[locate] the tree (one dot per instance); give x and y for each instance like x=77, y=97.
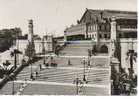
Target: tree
x=131, y=56
x=14, y=53
x=89, y=53
x=30, y=50
x=6, y=64
x=94, y=49
x=7, y=37
x=1, y=72
x=5, y=70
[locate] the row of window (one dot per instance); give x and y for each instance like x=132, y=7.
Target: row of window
x=128, y=35
x=92, y=28
x=102, y=27
x=104, y=36
x=93, y=36
x=100, y=36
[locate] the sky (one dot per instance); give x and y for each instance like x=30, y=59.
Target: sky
x=53, y=16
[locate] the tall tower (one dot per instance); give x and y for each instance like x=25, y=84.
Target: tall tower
x=31, y=45
x=30, y=27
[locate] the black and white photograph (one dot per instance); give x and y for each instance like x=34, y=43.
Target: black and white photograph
x=68, y=47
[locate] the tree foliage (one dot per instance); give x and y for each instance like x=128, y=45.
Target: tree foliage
x=7, y=37
x=30, y=50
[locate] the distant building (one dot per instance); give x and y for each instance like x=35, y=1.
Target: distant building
x=45, y=44
x=21, y=43
x=96, y=24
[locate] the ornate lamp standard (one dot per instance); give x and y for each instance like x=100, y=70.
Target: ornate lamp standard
x=13, y=92
x=78, y=82
x=84, y=63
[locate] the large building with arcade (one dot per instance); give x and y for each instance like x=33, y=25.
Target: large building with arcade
x=103, y=26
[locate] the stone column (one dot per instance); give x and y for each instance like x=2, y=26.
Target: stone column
x=114, y=60
x=113, y=36
x=113, y=28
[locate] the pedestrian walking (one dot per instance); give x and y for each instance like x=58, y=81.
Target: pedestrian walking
x=40, y=67
x=36, y=74
x=32, y=77
x=69, y=63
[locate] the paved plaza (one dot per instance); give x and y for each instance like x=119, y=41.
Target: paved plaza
x=61, y=80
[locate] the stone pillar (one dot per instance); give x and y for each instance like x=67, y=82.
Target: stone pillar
x=115, y=64
x=113, y=36
x=113, y=28
x=114, y=61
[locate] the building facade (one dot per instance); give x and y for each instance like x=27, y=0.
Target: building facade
x=105, y=27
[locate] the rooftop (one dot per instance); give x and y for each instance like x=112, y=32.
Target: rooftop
x=105, y=13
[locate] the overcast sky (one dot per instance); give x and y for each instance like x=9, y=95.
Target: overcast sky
x=53, y=15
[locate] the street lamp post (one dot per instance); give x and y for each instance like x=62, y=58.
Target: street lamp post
x=15, y=61
x=15, y=67
x=31, y=76
x=89, y=56
x=84, y=76
x=78, y=83
x=43, y=51
x=30, y=62
x=13, y=88
x=44, y=58
x=13, y=84
x=77, y=87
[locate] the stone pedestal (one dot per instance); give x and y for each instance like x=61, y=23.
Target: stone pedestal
x=115, y=64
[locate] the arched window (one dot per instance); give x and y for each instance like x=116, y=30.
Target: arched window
x=100, y=27
x=100, y=36
x=103, y=27
x=108, y=27
x=104, y=49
